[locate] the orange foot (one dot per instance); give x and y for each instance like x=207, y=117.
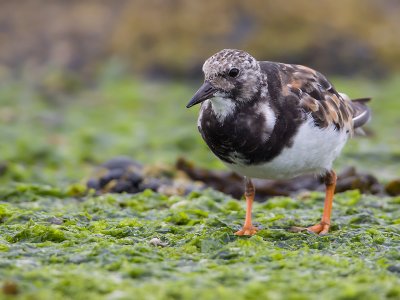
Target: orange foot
x=320, y=228
x=247, y=230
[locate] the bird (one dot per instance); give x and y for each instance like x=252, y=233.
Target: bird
x=274, y=120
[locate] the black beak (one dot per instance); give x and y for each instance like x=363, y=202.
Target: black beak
x=206, y=91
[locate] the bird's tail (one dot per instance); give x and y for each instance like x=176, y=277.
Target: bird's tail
x=361, y=112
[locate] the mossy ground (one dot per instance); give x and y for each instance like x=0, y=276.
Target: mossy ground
x=57, y=246
x=56, y=242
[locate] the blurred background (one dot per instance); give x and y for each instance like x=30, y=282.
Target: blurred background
x=84, y=81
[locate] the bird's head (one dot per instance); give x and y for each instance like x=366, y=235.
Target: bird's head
x=230, y=73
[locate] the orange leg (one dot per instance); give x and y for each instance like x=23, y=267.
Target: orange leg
x=323, y=227
x=248, y=228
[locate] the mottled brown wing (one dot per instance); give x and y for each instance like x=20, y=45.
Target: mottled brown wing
x=318, y=97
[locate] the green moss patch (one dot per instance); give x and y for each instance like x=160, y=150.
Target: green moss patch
x=98, y=247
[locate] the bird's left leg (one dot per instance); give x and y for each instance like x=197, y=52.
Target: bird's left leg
x=323, y=226
x=248, y=228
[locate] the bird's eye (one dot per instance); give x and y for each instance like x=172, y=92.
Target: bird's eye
x=233, y=72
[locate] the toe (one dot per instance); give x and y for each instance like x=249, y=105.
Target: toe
x=247, y=231
x=325, y=230
x=320, y=229
x=317, y=228
x=297, y=229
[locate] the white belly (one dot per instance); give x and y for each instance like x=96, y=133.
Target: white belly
x=313, y=151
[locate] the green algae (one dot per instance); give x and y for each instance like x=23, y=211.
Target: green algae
x=98, y=247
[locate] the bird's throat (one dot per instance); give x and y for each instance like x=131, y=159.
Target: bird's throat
x=222, y=107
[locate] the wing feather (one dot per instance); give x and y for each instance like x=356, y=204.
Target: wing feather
x=318, y=97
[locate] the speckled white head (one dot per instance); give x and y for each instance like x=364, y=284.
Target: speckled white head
x=234, y=73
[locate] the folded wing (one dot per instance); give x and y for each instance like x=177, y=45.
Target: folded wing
x=318, y=97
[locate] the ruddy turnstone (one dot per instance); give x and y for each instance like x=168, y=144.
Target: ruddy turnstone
x=273, y=120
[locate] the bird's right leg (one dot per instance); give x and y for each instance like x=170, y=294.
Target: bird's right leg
x=248, y=228
x=322, y=227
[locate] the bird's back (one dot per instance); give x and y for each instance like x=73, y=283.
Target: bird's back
x=316, y=96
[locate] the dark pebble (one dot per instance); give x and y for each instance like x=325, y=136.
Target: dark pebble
x=111, y=175
x=10, y=288
x=134, y=179
x=124, y=187
x=93, y=184
x=393, y=187
x=394, y=269
x=151, y=184
x=364, y=182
